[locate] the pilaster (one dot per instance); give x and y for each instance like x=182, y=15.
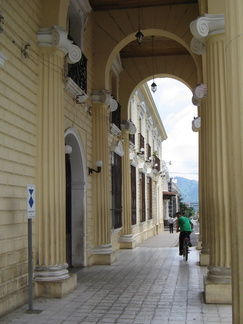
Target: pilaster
x=102, y=252
x=210, y=30
x=234, y=64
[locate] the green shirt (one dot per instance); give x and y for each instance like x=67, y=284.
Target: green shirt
x=184, y=224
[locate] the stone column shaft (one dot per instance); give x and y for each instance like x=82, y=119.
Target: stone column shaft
x=219, y=239
x=234, y=54
x=126, y=238
x=204, y=191
x=100, y=182
x=51, y=256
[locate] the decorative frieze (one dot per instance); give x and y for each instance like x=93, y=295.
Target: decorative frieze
x=57, y=37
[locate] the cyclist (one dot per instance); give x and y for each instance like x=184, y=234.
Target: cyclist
x=185, y=226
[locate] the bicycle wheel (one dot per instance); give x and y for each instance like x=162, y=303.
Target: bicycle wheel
x=185, y=249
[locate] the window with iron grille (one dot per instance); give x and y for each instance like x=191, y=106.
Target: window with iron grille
x=141, y=141
x=78, y=73
x=143, y=205
x=116, y=191
x=157, y=161
x=116, y=116
x=148, y=151
x=134, y=195
x=132, y=138
x=150, y=201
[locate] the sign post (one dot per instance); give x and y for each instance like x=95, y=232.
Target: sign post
x=30, y=216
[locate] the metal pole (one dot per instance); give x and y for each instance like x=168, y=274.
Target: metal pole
x=30, y=264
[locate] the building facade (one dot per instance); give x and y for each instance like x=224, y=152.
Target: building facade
x=61, y=81
x=95, y=165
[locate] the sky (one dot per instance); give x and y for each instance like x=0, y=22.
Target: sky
x=174, y=103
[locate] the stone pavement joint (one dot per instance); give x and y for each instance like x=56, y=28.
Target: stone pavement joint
x=147, y=285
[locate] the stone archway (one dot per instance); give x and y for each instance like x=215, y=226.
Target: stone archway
x=77, y=216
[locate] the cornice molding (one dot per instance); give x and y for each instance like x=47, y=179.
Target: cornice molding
x=57, y=37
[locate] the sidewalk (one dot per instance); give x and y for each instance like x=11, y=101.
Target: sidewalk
x=150, y=284
x=163, y=240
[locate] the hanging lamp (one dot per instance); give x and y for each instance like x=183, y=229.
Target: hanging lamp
x=139, y=35
x=153, y=85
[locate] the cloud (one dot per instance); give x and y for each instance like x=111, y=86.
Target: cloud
x=173, y=101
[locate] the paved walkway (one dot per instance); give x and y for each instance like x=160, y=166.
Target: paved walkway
x=150, y=284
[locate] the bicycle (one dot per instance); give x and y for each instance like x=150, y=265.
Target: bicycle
x=185, y=248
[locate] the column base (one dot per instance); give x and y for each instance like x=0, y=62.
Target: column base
x=217, y=293
x=204, y=259
x=57, y=288
x=127, y=242
x=199, y=245
x=103, y=255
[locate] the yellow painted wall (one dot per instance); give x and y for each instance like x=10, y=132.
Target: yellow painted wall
x=18, y=118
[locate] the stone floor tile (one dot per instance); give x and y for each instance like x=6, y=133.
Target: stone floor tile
x=146, y=285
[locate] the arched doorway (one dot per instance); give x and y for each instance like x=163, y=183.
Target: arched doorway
x=75, y=200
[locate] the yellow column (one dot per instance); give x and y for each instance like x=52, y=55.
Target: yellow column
x=234, y=64
x=102, y=251
x=51, y=273
x=218, y=281
x=219, y=275
x=204, y=190
x=126, y=238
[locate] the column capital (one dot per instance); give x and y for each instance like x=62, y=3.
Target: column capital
x=103, y=96
x=57, y=37
x=205, y=26
x=199, y=92
x=197, y=46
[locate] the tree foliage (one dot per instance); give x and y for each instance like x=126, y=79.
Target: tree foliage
x=185, y=210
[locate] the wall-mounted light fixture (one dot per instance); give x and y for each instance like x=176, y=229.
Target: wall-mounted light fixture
x=153, y=85
x=141, y=152
x=139, y=35
x=162, y=174
x=68, y=149
x=149, y=159
x=99, y=165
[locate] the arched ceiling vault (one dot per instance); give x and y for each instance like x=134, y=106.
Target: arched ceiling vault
x=116, y=23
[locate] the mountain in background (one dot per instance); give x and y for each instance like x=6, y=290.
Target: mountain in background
x=188, y=189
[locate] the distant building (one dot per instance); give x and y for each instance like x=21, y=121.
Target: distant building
x=171, y=194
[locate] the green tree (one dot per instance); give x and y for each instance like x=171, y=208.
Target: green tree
x=185, y=210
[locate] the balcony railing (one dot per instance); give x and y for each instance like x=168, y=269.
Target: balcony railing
x=78, y=73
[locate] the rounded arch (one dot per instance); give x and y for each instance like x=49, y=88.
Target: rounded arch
x=78, y=179
x=149, y=32
x=165, y=75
